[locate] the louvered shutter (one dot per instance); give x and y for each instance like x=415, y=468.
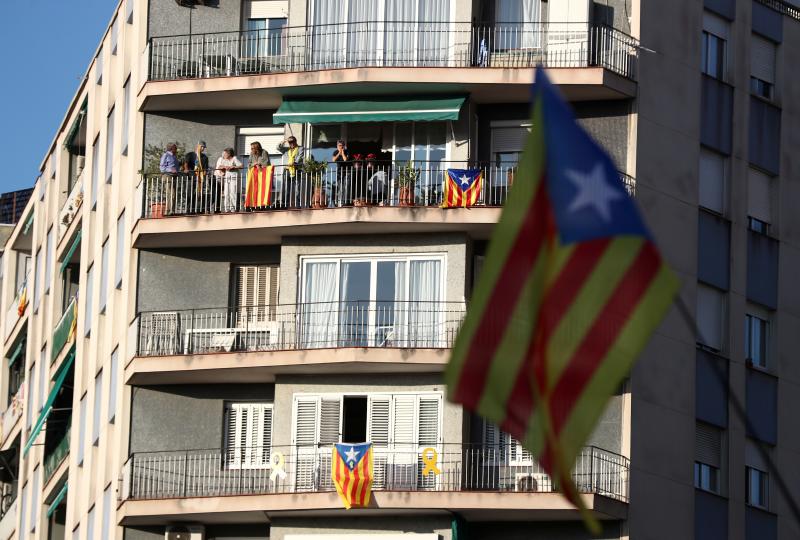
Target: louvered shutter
x=248, y=435
x=509, y=139
x=762, y=59
x=378, y=432
x=256, y=294
x=305, y=440
x=403, y=414
x=708, y=445
x=429, y=421
x=329, y=424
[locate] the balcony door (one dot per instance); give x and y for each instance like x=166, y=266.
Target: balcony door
x=372, y=302
x=516, y=24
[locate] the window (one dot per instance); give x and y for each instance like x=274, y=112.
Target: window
x=98, y=404
x=114, y=35
x=502, y=447
x=757, y=487
x=708, y=457
x=76, y=532
x=82, y=430
x=120, y=251
x=90, y=523
x=108, y=525
x=42, y=377
x=762, y=67
x=714, y=45
x=48, y=264
x=52, y=164
x=756, y=340
x=129, y=11
x=35, y=490
x=265, y=36
x=16, y=371
x=98, y=68
x=126, y=114
x=29, y=405
x=248, y=435
x=37, y=280
x=713, y=181
x=256, y=294
x=516, y=24
x=759, y=200
x=104, y=276
x=95, y=171
x=710, y=317
x=42, y=185
x=373, y=301
x=89, y=301
x=109, y=145
x=112, y=385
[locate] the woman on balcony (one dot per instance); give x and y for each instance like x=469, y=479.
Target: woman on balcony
x=227, y=174
x=294, y=196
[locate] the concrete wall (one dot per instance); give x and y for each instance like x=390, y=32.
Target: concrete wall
x=542, y=530
x=454, y=246
x=174, y=279
x=230, y=531
x=440, y=525
x=167, y=18
x=185, y=417
x=289, y=385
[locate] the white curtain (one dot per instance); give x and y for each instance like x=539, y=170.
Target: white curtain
x=433, y=31
x=328, y=34
x=424, y=308
x=400, y=39
x=531, y=17
x=319, y=309
x=362, y=32
x=400, y=304
x=517, y=23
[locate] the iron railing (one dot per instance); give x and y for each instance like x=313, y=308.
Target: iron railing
x=390, y=324
x=397, y=467
x=391, y=44
x=782, y=7
x=56, y=456
x=376, y=184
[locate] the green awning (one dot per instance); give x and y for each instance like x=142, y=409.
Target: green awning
x=76, y=125
x=71, y=251
x=48, y=405
x=323, y=111
x=65, y=364
x=16, y=354
x=60, y=497
x=28, y=224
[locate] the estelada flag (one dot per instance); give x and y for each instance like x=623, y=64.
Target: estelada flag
x=259, y=186
x=462, y=187
x=351, y=472
x=571, y=289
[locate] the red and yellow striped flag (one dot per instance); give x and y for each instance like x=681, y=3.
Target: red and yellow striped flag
x=259, y=187
x=571, y=290
x=351, y=472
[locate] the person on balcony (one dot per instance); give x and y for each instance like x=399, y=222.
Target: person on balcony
x=168, y=166
x=227, y=175
x=293, y=195
x=258, y=156
x=341, y=156
x=199, y=191
x=376, y=182
x=357, y=195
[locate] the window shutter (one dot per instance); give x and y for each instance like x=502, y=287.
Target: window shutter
x=403, y=419
x=256, y=293
x=762, y=59
x=509, y=139
x=379, y=420
x=716, y=25
x=758, y=196
x=429, y=421
x=306, y=421
x=709, y=316
x=708, y=445
x=330, y=412
x=712, y=181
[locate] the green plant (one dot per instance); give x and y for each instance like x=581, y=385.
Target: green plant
x=314, y=169
x=152, y=157
x=407, y=175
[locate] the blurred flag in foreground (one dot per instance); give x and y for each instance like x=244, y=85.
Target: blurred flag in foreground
x=571, y=289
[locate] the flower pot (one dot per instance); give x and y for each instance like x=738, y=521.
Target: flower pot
x=406, y=196
x=157, y=210
x=317, y=199
x=360, y=202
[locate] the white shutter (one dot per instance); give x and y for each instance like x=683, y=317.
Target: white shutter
x=509, y=139
x=256, y=294
x=267, y=9
x=708, y=444
x=429, y=413
x=378, y=428
x=305, y=439
x=712, y=181
x=762, y=59
x=329, y=420
x=403, y=413
x=269, y=137
x=710, y=316
x=759, y=200
x=248, y=435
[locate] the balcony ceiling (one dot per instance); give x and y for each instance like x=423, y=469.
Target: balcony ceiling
x=484, y=85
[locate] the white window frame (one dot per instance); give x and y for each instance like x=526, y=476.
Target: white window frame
x=260, y=454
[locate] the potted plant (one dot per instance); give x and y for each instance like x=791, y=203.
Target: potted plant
x=313, y=170
x=407, y=177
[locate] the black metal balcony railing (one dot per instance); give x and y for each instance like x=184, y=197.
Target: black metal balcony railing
x=381, y=184
x=304, y=469
x=390, y=324
x=392, y=44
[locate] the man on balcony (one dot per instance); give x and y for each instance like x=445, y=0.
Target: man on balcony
x=293, y=196
x=169, y=168
x=199, y=191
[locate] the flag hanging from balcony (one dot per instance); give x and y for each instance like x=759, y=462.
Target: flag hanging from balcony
x=23, y=300
x=462, y=187
x=351, y=472
x=572, y=288
x=259, y=186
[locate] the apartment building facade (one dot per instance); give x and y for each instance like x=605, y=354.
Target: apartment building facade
x=179, y=354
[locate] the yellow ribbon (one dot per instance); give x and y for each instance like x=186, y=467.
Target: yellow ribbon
x=276, y=462
x=430, y=457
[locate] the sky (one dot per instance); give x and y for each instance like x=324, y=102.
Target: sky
x=48, y=45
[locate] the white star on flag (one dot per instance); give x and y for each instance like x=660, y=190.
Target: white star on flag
x=464, y=181
x=351, y=455
x=593, y=191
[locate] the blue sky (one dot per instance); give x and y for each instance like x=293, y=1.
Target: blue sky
x=47, y=45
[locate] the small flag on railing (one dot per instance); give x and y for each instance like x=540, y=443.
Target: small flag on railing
x=23, y=301
x=73, y=326
x=259, y=187
x=462, y=187
x=351, y=472
x=572, y=288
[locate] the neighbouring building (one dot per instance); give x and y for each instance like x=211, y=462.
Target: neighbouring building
x=179, y=352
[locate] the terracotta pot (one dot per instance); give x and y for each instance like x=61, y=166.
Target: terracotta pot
x=406, y=196
x=157, y=210
x=317, y=199
x=360, y=202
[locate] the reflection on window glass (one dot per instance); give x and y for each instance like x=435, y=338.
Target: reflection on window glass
x=324, y=139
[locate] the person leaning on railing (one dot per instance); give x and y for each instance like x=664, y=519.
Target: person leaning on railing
x=377, y=180
x=227, y=175
x=168, y=166
x=292, y=159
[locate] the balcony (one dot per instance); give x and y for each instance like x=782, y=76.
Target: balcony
x=378, y=201
x=16, y=310
x=64, y=331
x=56, y=456
x=71, y=208
x=501, y=478
x=12, y=414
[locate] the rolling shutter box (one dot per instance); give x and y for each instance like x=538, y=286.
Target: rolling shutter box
x=762, y=59
x=708, y=445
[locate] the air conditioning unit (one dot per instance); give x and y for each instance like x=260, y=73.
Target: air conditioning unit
x=185, y=532
x=532, y=482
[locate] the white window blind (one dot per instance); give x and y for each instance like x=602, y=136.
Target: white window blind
x=708, y=445
x=98, y=403
x=90, y=523
x=48, y=264
x=104, y=276
x=256, y=294
x=120, y=251
x=269, y=137
x=114, y=35
x=428, y=427
x=759, y=198
x=266, y=9
x=330, y=420
x=89, y=305
x=98, y=68
x=712, y=181
x=126, y=114
x=710, y=316
x=248, y=435
x=503, y=447
x=37, y=279
x=112, y=385
x=762, y=59
x=95, y=171
x=35, y=490
x=82, y=429
x=129, y=11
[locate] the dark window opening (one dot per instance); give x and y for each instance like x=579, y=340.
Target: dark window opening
x=354, y=426
x=16, y=373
